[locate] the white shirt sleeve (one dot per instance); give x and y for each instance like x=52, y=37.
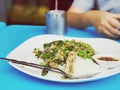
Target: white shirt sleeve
x=84, y=5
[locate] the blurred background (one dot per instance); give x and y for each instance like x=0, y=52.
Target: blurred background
x=31, y=12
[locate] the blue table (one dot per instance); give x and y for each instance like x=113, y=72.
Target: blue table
x=13, y=35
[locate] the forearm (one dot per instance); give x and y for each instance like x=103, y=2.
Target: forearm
x=76, y=20
x=105, y=23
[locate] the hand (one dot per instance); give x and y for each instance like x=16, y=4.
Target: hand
x=105, y=23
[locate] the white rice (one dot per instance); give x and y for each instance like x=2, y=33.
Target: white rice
x=84, y=67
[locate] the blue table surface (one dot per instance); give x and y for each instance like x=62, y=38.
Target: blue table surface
x=13, y=35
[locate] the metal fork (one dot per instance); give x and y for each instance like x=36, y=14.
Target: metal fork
x=57, y=70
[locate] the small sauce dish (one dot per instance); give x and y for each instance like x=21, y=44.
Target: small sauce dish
x=107, y=60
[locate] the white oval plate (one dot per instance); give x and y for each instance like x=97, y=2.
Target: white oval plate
x=23, y=51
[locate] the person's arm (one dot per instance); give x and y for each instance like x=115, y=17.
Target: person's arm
x=105, y=23
x=76, y=18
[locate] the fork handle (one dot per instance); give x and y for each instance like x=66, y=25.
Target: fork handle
x=32, y=65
